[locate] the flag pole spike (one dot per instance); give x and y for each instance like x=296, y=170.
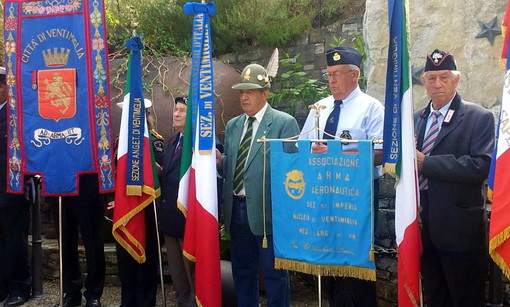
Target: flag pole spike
x=133, y=22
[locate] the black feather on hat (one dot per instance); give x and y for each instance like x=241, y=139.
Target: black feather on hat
x=440, y=60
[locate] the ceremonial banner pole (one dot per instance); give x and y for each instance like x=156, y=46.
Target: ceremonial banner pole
x=163, y=297
x=37, y=284
x=61, y=274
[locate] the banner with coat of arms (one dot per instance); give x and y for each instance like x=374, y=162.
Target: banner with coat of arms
x=58, y=94
x=322, y=210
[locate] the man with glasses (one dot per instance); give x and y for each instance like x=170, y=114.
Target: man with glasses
x=351, y=114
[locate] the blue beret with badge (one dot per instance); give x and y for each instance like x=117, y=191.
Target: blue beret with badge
x=343, y=55
x=440, y=60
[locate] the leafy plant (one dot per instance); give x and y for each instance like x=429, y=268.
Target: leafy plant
x=293, y=88
x=237, y=25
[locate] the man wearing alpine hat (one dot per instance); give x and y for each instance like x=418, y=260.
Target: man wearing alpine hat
x=247, y=215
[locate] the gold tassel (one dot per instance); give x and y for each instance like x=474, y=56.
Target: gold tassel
x=371, y=254
x=264, y=242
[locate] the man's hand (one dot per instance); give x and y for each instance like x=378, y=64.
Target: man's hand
x=319, y=148
x=420, y=157
x=219, y=162
x=110, y=205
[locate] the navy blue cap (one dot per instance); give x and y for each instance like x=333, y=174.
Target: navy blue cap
x=440, y=60
x=181, y=99
x=343, y=55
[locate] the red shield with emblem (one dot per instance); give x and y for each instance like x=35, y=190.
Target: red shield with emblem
x=57, y=93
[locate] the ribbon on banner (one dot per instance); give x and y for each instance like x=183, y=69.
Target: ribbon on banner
x=392, y=121
x=322, y=210
x=136, y=120
x=202, y=93
x=58, y=89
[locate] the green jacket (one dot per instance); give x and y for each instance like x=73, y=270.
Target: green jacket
x=274, y=125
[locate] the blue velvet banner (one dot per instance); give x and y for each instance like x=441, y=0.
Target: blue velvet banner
x=322, y=208
x=58, y=88
x=202, y=80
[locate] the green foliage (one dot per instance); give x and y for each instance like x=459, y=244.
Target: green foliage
x=237, y=24
x=293, y=88
x=162, y=24
x=259, y=22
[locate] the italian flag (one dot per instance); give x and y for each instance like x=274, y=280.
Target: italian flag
x=137, y=181
x=400, y=156
x=197, y=196
x=499, y=231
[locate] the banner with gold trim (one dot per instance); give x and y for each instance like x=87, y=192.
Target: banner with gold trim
x=322, y=210
x=58, y=94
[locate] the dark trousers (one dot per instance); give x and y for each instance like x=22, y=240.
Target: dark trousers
x=451, y=279
x=352, y=292
x=87, y=218
x=14, y=268
x=139, y=282
x=246, y=256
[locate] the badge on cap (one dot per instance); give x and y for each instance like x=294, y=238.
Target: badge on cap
x=336, y=57
x=436, y=57
x=440, y=60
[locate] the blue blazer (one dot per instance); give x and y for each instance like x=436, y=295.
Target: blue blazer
x=171, y=219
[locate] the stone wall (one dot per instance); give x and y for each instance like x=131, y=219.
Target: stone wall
x=310, y=46
x=450, y=26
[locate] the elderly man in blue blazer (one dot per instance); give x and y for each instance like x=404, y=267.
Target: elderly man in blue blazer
x=247, y=197
x=455, y=139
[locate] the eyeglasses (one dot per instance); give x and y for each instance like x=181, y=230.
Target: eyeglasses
x=335, y=75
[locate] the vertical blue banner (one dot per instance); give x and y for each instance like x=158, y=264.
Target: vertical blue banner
x=58, y=88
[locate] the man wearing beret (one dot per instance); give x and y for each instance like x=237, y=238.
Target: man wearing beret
x=247, y=202
x=15, y=280
x=454, y=143
x=348, y=113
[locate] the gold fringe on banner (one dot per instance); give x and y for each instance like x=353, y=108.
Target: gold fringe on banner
x=494, y=243
x=133, y=190
x=390, y=168
x=325, y=270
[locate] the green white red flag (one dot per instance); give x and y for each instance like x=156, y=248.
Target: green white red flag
x=138, y=183
x=198, y=186
x=399, y=155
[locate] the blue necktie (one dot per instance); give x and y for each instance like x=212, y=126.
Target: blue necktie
x=332, y=122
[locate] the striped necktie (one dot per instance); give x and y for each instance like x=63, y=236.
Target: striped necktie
x=242, y=155
x=428, y=143
x=332, y=123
